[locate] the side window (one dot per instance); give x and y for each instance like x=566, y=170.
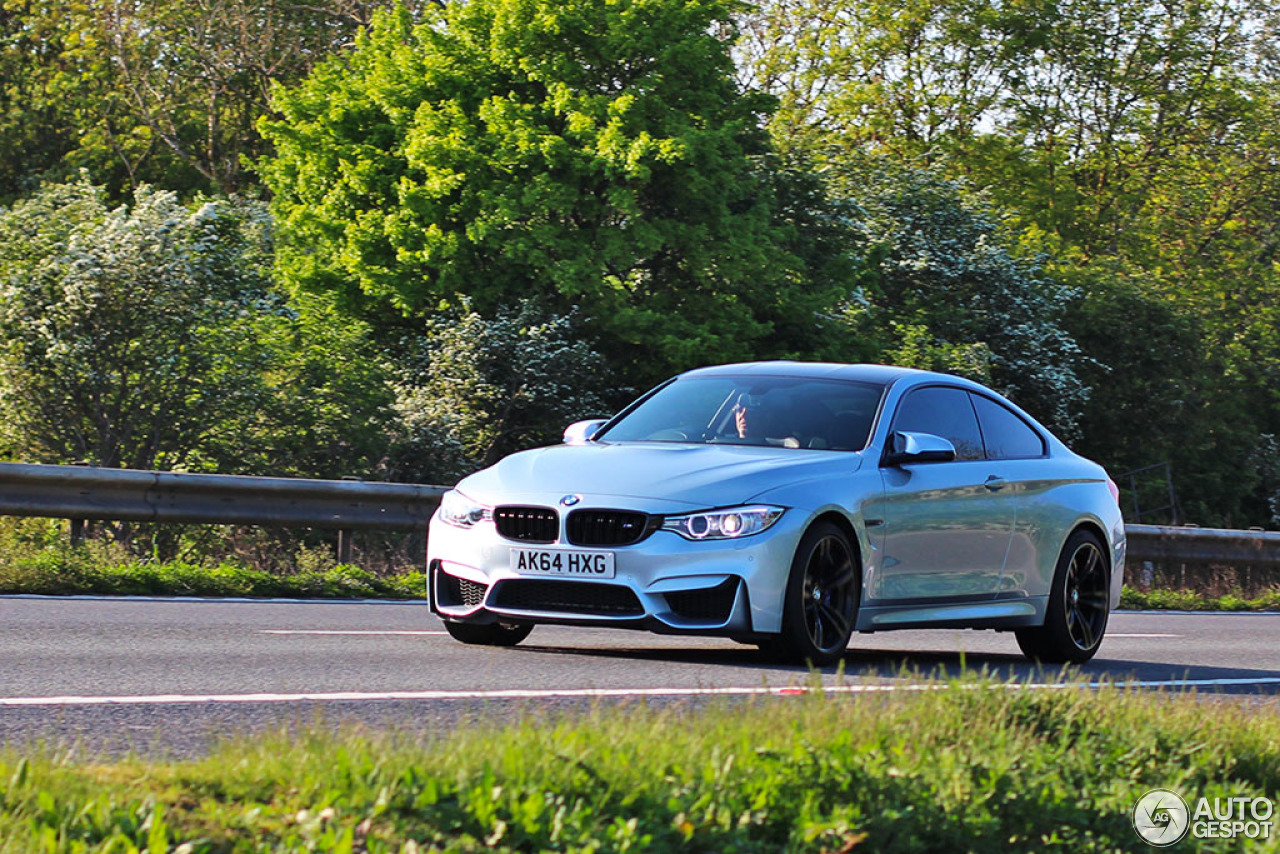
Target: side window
x=944, y=412
x=1007, y=436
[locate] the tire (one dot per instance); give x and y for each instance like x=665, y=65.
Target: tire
x=1079, y=605
x=490, y=634
x=821, y=604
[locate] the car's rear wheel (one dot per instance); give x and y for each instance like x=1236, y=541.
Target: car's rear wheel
x=822, y=597
x=1079, y=605
x=491, y=634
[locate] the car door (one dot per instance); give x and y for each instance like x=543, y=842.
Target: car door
x=946, y=525
x=1016, y=454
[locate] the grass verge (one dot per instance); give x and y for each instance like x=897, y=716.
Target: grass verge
x=971, y=766
x=69, y=571
x=1187, y=600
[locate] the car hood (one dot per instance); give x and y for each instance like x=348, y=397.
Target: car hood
x=682, y=476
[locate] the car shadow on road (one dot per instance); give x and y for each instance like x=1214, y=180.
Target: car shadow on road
x=884, y=664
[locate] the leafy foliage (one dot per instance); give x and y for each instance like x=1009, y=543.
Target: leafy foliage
x=949, y=292
x=1130, y=146
x=584, y=153
x=330, y=406
x=482, y=388
x=126, y=334
x=970, y=765
x=164, y=93
x=147, y=336
x=1160, y=393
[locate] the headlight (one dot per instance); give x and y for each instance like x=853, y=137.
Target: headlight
x=728, y=524
x=460, y=511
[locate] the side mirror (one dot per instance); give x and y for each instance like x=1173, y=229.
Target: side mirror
x=580, y=432
x=919, y=448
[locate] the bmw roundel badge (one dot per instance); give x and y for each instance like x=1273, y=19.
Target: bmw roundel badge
x=570, y=500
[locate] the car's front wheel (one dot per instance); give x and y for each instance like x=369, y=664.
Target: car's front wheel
x=822, y=597
x=491, y=634
x=1078, y=608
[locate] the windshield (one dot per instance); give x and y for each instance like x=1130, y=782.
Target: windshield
x=784, y=412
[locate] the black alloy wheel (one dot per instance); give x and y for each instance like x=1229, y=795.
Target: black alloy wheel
x=822, y=598
x=490, y=634
x=1079, y=605
x=1085, y=597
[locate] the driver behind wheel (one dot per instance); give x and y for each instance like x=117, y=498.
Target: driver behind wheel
x=756, y=418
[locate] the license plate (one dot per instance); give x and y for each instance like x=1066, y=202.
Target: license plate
x=562, y=562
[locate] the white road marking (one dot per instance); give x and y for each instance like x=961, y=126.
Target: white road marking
x=341, y=632
x=1140, y=635
x=600, y=693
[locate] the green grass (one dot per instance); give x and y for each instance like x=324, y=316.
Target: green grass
x=63, y=571
x=972, y=766
x=1188, y=600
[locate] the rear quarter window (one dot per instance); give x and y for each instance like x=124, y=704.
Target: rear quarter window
x=1004, y=433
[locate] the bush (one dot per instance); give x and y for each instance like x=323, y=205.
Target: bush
x=480, y=388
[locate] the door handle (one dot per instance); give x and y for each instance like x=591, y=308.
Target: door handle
x=994, y=483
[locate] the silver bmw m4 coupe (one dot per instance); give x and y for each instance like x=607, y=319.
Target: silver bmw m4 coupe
x=788, y=505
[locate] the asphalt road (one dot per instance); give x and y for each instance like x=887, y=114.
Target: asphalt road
x=170, y=677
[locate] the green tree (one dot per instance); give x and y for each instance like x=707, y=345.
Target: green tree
x=584, y=153
x=147, y=336
x=50, y=91
x=949, y=292
x=126, y=334
x=904, y=77
x=1159, y=394
x=330, y=408
x=162, y=92
x=1131, y=146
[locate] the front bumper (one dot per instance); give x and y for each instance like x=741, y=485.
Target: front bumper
x=663, y=583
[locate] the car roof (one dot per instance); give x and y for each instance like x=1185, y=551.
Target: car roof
x=880, y=374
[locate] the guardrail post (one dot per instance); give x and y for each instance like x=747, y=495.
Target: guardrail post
x=344, y=534
x=78, y=526
x=344, y=546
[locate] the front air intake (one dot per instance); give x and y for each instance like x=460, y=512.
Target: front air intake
x=710, y=605
x=454, y=592
x=566, y=597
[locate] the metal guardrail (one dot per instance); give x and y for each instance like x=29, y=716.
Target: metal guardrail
x=82, y=493
x=1210, y=561
x=87, y=493
x=1202, y=545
